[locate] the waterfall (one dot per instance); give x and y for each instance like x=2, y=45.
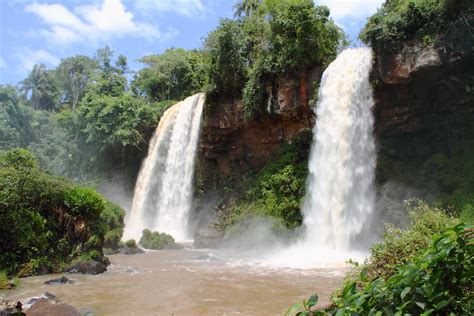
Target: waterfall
x=163, y=192
x=339, y=197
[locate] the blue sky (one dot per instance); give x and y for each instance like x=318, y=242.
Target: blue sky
x=44, y=31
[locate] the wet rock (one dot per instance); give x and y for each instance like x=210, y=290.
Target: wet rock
x=87, y=267
x=10, y=308
x=46, y=296
x=61, y=280
x=50, y=307
x=125, y=250
x=208, y=237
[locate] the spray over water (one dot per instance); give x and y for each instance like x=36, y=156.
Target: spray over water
x=340, y=198
x=163, y=192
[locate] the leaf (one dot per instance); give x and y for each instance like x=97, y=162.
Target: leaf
x=340, y=312
x=293, y=309
x=421, y=304
x=363, y=273
x=313, y=300
x=405, y=292
x=441, y=304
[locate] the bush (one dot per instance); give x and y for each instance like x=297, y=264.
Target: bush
x=155, y=240
x=18, y=158
x=401, y=245
x=113, y=218
x=439, y=282
x=400, y=20
x=131, y=243
x=278, y=188
x=45, y=221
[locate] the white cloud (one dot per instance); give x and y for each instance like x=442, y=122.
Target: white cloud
x=91, y=23
x=3, y=64
x=344, y=10
x=28, y=58
x=182, y=7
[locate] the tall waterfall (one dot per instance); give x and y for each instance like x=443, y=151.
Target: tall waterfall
x=163, y=192
x=340, y=198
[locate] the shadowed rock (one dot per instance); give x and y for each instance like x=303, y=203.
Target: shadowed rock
x=87, y=267
x=61, y=280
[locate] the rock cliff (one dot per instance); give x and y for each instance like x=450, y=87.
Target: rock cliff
x=426, y=84
x=231, y=145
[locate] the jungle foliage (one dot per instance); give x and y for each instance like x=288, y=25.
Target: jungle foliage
x=425, y=270
x=266, y=39
x=438, y=282
x=400, y=20
x=275, y=193
x=46, y=221
x=94, y=126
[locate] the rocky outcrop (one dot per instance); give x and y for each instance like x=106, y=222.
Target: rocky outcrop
x=61, y=280
x=52, y=308
x=427, y=84
x=10, y=308
x=128, y=251
x=87, y=267
x=231, y=145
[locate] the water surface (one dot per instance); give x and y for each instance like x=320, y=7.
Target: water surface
x=187, y=282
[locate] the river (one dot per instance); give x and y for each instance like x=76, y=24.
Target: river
x=186, y=282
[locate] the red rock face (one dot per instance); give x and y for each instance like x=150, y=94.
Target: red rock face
x=232, y=144
x=423, y=84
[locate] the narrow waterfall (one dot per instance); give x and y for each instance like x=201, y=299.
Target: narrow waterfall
x=163, y=192
x=339, y=197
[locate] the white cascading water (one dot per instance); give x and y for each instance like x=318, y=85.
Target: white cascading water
x=340, y=198
x=163, y=192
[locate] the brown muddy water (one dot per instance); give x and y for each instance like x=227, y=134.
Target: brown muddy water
x=186, y=282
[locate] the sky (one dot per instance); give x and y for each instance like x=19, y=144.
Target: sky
x=45, y=31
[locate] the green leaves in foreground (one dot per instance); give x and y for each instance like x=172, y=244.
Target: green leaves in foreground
x=305, y=308
x=439, y=282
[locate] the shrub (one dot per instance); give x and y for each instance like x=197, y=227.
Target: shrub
x=400, y=20
x=45, y=221
x=131, y=243
x=85, y=202
x=439, y=282
x=18, y=158
x=113, y=218
x=401, y=245
x=156, y=240
x=278, y=188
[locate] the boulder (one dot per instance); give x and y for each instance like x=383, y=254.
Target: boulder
x=87, y=267
x=10, y=308
x=44, y=306
x=61, y=280
x=125, y=250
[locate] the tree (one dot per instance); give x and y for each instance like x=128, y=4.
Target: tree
x=247, y=7
x=39, y=87
x=170, y=76
x=227, y=71
x=75, y=73
x=109, y=80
